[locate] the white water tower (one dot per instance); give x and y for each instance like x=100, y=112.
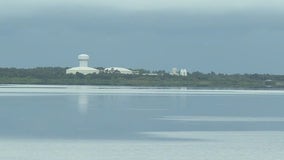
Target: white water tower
x=83, y=60
x=83, y=66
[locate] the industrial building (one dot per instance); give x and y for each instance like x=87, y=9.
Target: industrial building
x=176, y=72
x=83, y=66
x=118, y=70
x=183, y=72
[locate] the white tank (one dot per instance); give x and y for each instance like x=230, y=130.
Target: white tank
x=83, y=66
x=83, y=60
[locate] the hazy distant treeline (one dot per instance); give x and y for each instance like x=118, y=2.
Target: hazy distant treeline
x=57, y=75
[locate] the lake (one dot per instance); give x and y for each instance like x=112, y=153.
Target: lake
x=127, y=123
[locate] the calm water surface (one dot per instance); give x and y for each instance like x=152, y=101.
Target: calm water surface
x=91, y=122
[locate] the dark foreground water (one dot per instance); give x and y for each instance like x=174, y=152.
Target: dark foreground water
x=87, y=122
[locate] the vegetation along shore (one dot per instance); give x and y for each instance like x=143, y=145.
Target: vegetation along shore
x=58, y=76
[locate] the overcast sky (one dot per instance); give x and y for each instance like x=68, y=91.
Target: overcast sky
x=244, y=36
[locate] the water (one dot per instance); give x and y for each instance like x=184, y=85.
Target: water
x=105, y=123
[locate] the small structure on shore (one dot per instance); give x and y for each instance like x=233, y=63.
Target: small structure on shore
x=174, y=72
x=83, y=66
x=183, y=72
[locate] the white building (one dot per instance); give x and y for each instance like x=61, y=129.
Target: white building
x=183, y=72
x=83, y=66
x=118, y=70
x=175, y=72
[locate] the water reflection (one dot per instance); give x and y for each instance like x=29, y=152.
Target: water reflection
x=83, y=103
x=125, y=113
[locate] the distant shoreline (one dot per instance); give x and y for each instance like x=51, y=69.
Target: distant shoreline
x=197, y=80
x=136, y=87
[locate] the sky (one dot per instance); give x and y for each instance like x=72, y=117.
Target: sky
x=224, y=36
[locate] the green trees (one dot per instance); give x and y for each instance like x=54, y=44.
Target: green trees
x=57, y=75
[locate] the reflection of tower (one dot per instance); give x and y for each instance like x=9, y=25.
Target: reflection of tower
x=83, y=103
x=83, y=60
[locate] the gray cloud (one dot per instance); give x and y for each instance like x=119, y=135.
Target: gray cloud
x=194, y=6
x=235, y=42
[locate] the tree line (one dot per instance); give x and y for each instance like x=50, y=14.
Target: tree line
x=58, y=76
